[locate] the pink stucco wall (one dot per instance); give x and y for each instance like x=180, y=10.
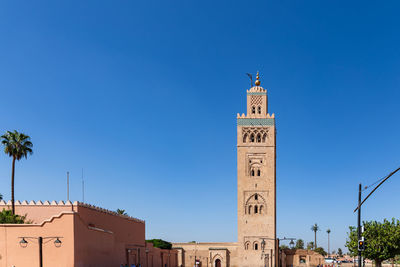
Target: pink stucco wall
x=90, y=236
x=12, y=254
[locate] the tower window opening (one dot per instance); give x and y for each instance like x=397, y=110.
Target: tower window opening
x=253, y=110
x=252, y=138
x=261, y=209
x=258, y=173
x=255, y=209
x=250, y=208
x=255, y=246
x=252, y=173
x=256, y=197
x=245, y=138
x=259, y=110
x=258, y=138
x=264, y=138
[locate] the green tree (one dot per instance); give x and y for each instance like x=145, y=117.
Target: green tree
x=16, y=145
x=282, y=247
x=320, y=251
x=315, y=229
x=122, y=212
x=340, y=252
x=382, y=240
x=6, y=216
x=299, y=244
x=310, y=245
x=159, y=243
x=1, y=197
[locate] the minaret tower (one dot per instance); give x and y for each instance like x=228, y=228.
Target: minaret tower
x=256, y=163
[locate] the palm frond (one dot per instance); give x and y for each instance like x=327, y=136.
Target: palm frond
x=17, y=144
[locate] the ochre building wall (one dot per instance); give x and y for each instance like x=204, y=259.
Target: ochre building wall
x=90, y=236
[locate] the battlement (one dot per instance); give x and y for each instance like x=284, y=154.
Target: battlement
x=256, y=89
x=68, y=203
x=243, y=116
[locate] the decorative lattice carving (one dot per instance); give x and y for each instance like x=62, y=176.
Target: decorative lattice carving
x=256, y=100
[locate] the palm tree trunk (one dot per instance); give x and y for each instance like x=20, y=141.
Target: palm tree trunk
x=315, y=239
x=12, y=187
x=328, y=246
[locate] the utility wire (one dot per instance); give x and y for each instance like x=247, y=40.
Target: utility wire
x=366, y=187
x=373, y=190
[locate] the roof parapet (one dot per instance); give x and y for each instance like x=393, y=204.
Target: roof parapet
x=69, y=203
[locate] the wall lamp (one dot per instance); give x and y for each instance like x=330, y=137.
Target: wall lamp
x=57, y=243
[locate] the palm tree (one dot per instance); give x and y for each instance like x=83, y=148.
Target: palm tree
x=16, y=145
x=328, y=231
x=121, y=212
x=315, y=228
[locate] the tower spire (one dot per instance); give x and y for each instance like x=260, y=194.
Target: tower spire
x=257, y=82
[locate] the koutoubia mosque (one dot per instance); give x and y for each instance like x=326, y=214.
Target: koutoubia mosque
x=256, y=245
x=78, y=234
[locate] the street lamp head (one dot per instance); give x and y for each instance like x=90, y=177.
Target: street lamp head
x=291, y=243
x=23, y=243
x=57, y=242
x=263, y=244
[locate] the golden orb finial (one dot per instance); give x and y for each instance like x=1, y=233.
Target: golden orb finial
x=257, y=82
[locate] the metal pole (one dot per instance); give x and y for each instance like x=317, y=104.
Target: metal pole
x=359, y=224
x=40, y=251
x=83, y=188
x=67, y=186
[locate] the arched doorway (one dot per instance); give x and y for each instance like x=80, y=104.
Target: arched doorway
x=218, y=263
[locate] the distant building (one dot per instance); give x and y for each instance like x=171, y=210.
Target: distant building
x=256, y=182
x=77, y=235
x=301, y=258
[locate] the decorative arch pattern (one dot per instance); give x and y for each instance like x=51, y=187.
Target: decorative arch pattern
x=255, y=205
x=254, y=135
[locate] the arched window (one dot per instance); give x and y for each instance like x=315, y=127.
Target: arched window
x=252, y=173
x=246, y=246
x=255, y=209
x=245, y=138
x=259, y=110
x=256, y=197
x=261, y=209
x=258, y=173
x=253, y=110
x=264, y=138
x=250, y=208
x=258, y=138
x=256, y=246
x=252, y=138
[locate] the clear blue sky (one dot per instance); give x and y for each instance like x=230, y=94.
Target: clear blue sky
x=143, y=95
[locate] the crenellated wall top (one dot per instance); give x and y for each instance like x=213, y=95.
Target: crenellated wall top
x=256, y=89
x=243, y=116
x=68, y=203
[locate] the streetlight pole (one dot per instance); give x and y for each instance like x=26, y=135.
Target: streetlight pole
x=359, y=209
x=23, y=243
x=40, y=240
x=359, y=223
